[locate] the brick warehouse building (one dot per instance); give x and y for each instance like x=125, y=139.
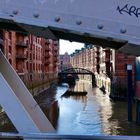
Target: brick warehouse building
x=34, y=59
x=64, y=62
x=108, y=64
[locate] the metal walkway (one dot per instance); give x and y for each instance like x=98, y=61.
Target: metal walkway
x=43, y=136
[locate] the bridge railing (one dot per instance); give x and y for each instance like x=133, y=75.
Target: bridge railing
x=45, y=136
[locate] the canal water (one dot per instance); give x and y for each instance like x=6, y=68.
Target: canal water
x=92, y=114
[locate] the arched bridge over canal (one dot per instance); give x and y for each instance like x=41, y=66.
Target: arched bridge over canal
x=76, y=72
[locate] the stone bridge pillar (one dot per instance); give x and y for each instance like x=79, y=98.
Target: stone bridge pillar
x=93, y=80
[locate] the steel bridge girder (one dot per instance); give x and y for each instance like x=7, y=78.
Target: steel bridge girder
x=113, y=20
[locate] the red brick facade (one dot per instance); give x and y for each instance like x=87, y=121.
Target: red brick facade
x=100, y=60
x=34, y=59
x=121, y=62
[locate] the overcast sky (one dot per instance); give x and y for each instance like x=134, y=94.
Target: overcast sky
x=70, y=47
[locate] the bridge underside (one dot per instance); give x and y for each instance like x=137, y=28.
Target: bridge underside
x=86, y=38
x=88, y=21
x=55, y=33
x=76, y=73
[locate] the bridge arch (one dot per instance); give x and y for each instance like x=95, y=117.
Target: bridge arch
x=79, y=71
x=76, y=71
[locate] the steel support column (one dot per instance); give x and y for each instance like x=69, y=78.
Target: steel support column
x=137, y=89
x=18, y=103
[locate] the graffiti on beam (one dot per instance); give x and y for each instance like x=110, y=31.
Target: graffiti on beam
x=130, y=10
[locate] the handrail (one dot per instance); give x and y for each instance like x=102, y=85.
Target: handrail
x=44, y=136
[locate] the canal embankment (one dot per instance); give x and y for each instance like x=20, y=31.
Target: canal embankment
x=116, y=91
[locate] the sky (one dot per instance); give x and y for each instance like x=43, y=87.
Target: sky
x=69, y=47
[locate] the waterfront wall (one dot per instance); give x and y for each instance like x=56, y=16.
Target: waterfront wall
x=39, y=82
x=35, y=59
x=100, y=81
x=115, y=90
x=103, y=81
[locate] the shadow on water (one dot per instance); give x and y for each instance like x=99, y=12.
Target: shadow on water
x=49, y=104
x=74, y=91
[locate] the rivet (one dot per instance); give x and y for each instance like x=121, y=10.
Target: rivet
x=36, y=15
x=100, y=26
x=123, y=30
x=78, y=22
x=57, y=19
x=15, y=12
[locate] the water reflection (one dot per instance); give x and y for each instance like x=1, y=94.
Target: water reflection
x=94, y=114
x=49, y=103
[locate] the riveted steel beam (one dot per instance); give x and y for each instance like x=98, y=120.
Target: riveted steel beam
x=115, y=20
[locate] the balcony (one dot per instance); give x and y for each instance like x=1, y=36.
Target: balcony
x=21, y=56
x=47, y=62
x=21, y=44
x=47, y=54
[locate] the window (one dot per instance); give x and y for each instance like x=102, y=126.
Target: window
x=10, y=35
x=33, y=66
x=27, y=65
x=27, y=42
x=31, y=78
x=36, y=67
x=30, y=67
x=10, y=49
x=27, y=54
x=31, y=47
x=30, y=56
